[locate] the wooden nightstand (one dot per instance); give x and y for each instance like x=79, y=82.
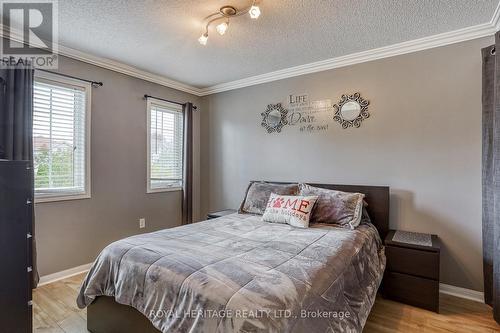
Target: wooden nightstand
x=412, y=272
x=221, y=213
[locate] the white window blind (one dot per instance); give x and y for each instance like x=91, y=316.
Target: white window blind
x=59, y=138
x=165, y=138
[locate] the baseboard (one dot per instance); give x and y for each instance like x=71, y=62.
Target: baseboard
x=63, y=274
x=470, y=294
x=443, y=288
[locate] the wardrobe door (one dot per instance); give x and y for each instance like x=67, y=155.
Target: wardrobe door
x=15, y=221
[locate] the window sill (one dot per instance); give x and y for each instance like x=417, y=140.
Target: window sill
x=62, y=197
x=160, y=190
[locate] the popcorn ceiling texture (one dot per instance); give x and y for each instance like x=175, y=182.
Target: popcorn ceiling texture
x=161, y=36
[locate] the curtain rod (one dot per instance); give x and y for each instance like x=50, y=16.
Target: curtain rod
x=146, y=96
x=94, y=83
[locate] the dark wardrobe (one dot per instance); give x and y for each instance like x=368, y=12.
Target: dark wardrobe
x=16, y=215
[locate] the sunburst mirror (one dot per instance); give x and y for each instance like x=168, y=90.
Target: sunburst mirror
x=274, y=118
x=351, y=110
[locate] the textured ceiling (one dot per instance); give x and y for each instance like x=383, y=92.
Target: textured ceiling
x=161, y=36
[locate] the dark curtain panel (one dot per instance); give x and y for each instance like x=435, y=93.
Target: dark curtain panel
x=16, y=119
x=187, y=200
x=491, y=177
x=16, y=126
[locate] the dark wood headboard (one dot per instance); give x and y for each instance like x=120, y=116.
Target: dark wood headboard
x=377, y=198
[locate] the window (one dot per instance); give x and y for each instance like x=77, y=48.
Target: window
x=61, y=138
x=165, y=146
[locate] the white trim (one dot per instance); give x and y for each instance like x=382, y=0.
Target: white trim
x=447, y=38
x=127, y=70
x=495, y=20
x=87, y=87
x=461, y=35
x=174, y=108
x=66, y=197
x=109, y=64
x=447, y=289
x=469, y=294
x=160, y=190
x=64, y=274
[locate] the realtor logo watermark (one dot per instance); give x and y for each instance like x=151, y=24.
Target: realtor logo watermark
x=30, y=31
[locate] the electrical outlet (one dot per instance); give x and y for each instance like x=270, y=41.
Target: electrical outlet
x=142, y=223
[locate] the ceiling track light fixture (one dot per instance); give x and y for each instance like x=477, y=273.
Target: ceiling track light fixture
x=223, y=15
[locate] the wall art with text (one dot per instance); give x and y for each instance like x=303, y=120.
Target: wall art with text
x=300, y=113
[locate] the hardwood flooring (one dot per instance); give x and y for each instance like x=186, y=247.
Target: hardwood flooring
x=55, y=311
x=455, y=315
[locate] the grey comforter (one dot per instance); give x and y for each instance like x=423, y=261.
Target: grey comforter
x=239, y=274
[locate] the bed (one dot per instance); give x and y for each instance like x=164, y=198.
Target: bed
x=240, y=274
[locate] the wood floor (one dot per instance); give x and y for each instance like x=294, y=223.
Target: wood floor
x=55, y=311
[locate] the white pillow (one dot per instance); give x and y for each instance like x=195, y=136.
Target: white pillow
x=289, y=209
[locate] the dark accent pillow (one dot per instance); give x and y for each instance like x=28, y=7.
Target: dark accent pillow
x=258, y=194
x=335, y=207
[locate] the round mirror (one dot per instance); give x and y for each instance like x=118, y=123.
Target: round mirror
x=350, y=110
x=273, y=119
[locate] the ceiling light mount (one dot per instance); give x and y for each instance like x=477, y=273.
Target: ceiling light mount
x=224, y=14
x=228, y=11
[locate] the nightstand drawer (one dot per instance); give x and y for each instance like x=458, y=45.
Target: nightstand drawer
x=415, y=262
x=412, y=290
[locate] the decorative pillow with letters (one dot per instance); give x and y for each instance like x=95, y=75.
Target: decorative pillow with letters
x=292, y=210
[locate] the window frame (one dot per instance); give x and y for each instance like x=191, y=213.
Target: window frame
x=175, y=108
x=61, y=195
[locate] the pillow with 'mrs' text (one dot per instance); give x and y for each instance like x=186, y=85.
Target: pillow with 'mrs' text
x=292, y=210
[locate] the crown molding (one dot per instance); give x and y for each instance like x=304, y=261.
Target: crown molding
x=108, y=64
x=128, y=70
x=495, y=20
x=447, y=38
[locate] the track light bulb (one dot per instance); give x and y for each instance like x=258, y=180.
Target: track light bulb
x=222, y=28
x=203, y=39
x=254, y=12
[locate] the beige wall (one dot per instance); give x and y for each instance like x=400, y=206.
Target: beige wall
x=72, y=233
x=423, y=140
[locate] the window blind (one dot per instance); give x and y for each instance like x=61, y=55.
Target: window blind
x=59, y=138
x=166, y=147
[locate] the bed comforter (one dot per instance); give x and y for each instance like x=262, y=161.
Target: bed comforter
x=240, y=274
